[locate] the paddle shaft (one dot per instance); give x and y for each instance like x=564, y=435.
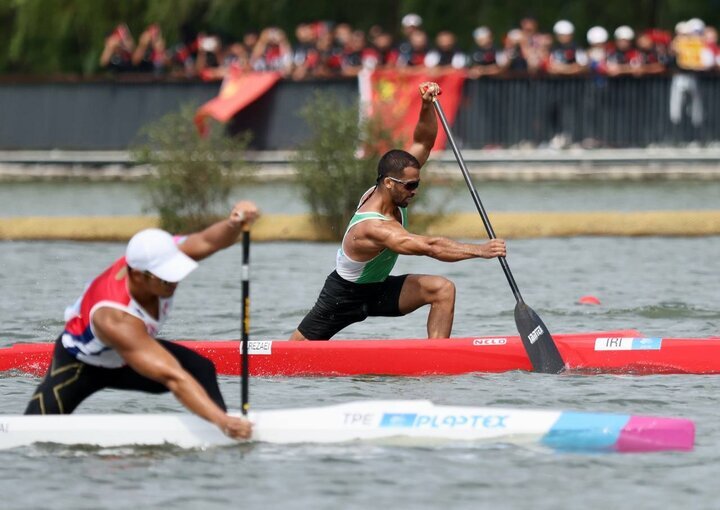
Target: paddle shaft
x=245, y=319
x=476, y=198
x=537, y=340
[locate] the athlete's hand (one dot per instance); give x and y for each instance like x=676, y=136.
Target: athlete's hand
x=236, y=427
x=244, y=213
x=429, y=90
x=494, y=248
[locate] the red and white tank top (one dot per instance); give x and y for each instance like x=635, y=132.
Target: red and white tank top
x=110, y=289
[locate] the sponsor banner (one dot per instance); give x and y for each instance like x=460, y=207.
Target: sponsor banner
x=236, y=92
x=628, y=344
x=443, y=421
x=258, y=347
x=489, y=341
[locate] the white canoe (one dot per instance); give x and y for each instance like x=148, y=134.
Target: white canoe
x=396, y=422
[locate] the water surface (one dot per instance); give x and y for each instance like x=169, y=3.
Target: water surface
x=123, y=198
x=663, y=287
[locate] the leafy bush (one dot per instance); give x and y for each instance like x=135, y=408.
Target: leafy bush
x=339, y=161
x=191, y=176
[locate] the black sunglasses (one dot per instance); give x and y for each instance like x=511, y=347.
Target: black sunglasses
x=409, y=185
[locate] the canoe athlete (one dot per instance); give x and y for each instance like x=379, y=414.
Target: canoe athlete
x=110, y=341
x=360, y=285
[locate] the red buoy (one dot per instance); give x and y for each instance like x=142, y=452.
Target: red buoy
x=588, y=300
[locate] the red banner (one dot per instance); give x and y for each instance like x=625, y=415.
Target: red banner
x=394, y=95
x=237, y=91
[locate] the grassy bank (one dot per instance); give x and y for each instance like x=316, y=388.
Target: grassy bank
x=278, y=227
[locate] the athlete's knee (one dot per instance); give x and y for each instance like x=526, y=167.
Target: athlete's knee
x=448, y=289
x=297, y=336
x=204, y=368
x=442, y=289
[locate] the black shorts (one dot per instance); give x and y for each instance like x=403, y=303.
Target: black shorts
x=342, y=303
x=68, y=381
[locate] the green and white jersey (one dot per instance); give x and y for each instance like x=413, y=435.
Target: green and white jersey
x=373, y=270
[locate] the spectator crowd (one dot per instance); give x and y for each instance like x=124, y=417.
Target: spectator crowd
x=327, y=50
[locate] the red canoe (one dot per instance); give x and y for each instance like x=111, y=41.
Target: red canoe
x=615, y=352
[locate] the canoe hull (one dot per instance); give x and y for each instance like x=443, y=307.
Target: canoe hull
x=407, y=423
x=615, y=352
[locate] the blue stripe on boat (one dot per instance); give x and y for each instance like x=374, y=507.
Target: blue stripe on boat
x=646, y=344
x=585, y=431
x=398, y=420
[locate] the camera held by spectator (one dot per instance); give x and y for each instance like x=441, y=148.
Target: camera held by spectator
x=151, y=54
x=208, y=44
x=272, y=52
x=118, y=51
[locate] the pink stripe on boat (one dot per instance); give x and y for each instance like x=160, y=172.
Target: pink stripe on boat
x=646, y=433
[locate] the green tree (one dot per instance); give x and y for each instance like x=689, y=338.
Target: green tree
x=339, y=161
x=191, y=176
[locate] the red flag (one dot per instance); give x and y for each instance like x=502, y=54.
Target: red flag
x=237, y=91
x=394, y=95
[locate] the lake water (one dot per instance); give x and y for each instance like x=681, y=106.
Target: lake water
x=661, y=286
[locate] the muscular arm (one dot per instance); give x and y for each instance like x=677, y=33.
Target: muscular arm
x=394, y=237
x=126, y=334
x=141, y=48
x=222, y=234
x=426, y=128
x=566, y=69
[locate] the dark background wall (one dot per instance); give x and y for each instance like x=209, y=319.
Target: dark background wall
x=107, y=115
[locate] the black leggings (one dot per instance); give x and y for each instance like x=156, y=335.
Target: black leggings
x=68, y=381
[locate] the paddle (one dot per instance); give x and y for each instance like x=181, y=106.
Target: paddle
x=536, y=338
x=245, y=319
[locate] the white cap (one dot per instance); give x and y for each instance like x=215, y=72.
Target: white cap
x=695, y=25
x=563, y=27
x=411, y=20
x=480, y=32
x=154, y=250
x=597, y=35
x=624, y=32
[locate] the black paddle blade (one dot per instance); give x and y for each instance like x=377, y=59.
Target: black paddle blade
x=537, y=340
